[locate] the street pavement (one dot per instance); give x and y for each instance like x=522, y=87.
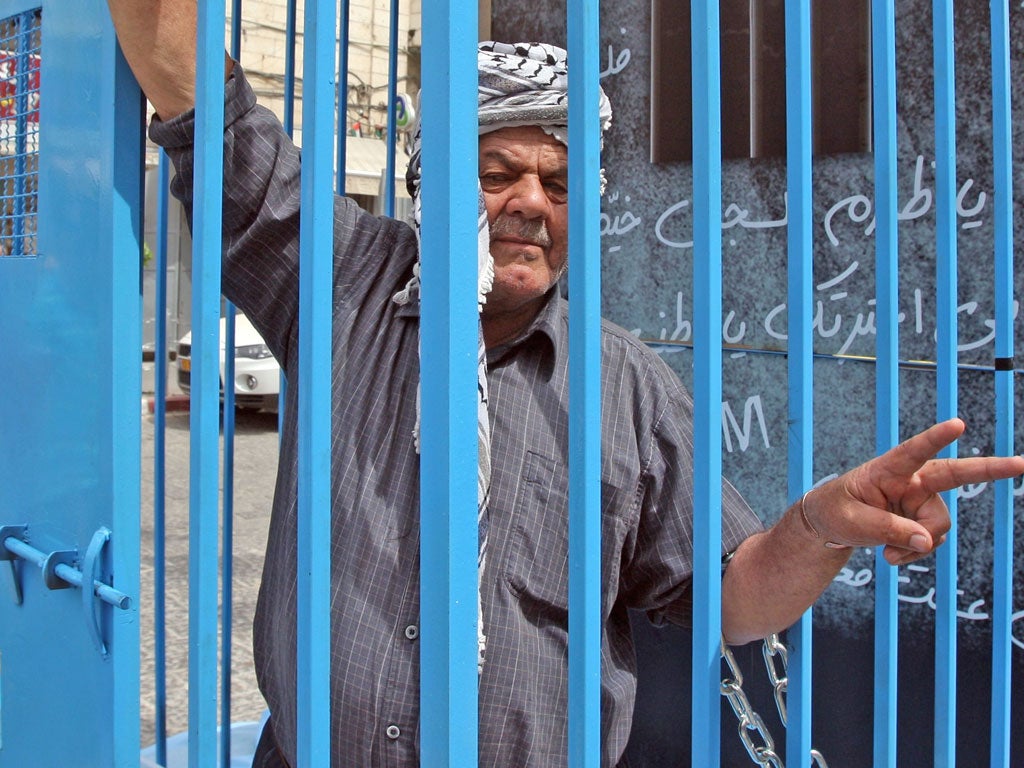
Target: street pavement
x=255, y=470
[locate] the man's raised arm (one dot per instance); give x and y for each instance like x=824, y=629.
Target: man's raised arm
x=158, y=38
x=891, y=501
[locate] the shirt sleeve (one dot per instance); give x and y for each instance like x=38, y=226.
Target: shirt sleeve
x=261, y=198
x=659, y=576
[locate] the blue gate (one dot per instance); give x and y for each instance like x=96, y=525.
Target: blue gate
x=69, y=416
x=70, y=449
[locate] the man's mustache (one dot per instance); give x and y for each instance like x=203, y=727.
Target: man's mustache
x=533, y=231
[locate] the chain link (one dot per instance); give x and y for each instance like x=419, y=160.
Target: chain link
x=751, y=726
x=772, y=649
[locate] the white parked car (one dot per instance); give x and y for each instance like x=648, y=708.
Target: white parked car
x=257, y=374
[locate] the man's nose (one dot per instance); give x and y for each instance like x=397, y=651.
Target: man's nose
x=527, y=198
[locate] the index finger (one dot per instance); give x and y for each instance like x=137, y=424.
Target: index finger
x=946, y=474
x=914, y=452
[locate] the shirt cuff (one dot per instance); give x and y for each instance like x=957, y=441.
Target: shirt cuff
x=178, y=132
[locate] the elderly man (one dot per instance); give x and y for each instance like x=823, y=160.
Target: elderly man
x=772, y=576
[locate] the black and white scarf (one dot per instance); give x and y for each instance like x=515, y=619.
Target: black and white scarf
x=520, y=84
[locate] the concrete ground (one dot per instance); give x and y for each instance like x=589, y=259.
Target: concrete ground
x=255, y=469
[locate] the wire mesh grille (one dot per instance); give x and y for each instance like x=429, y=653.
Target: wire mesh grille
x=19, y=132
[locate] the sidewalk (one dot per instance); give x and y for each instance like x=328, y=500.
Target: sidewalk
x=255, y=471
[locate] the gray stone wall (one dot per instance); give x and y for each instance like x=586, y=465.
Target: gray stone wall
x=647, y=267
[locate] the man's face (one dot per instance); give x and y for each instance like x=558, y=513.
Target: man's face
x=524, y=178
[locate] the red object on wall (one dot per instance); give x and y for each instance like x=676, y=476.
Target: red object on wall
x=11, y=82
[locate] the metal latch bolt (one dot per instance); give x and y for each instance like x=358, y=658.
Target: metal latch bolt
x=60, y=571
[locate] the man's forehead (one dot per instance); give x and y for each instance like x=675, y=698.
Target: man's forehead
x=509, y=143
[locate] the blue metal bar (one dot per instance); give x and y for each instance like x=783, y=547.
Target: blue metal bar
x=389, y=180
x=67, y=573
x=800, y=243
x=236, y=29
x=448, y=343
x=1002, y=577
x=227, y=530
x=342, y=90
x=205, y=391
x=946, y=373
x=707, y=377
x=122, y=123
x=316, y=238
x=160, y=468
x=883, y=54
x=228, y=508
x=289, y=68
x=584, y=386
x=288, y=121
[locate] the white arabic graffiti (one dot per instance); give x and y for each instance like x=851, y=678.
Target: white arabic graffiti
x=833, y=319
x=975, y=611
x=857, y=207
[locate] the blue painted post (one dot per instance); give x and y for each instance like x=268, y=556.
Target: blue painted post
x=124, y=196
x=800, y=210
x=205, y=391
x=707, y=376
x=342, y=89
x=448, y=328
x=946, y=372
x=316, y=230
x=883, y=52
x=228, y=507
x=290, y=31
x=584, y=386
x=1002, y=577
x=288, y=121
x=389, y=173
x=159, y=469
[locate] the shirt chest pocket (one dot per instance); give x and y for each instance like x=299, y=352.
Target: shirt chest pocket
x=537, y=561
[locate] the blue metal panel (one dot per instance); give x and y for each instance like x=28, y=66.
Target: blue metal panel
x=801, y=349
x=707, y=377
x=315, y=305
x=205, y=390
x=1002, y=577
x=883, y=50
x=448, y=328
x=584, y=387
x=76, y=306
x=946, y=372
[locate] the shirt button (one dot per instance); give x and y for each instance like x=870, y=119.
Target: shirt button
x=412, y=632
x=393, y=732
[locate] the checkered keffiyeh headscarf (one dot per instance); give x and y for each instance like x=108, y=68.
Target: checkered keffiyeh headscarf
x=520, y=84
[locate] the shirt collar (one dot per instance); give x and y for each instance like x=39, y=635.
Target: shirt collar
x=547, y=327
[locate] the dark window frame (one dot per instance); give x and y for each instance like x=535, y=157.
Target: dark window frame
x=753, y=78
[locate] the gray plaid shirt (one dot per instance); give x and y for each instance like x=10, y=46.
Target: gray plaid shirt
x=647, y=484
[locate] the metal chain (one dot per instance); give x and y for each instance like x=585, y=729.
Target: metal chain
x=751, y=726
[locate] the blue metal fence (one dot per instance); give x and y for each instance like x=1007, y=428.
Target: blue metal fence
x=449, y=540
x=1003, y=538
x=20, y=46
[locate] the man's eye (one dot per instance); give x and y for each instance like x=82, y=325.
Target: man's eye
x=557, y=190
